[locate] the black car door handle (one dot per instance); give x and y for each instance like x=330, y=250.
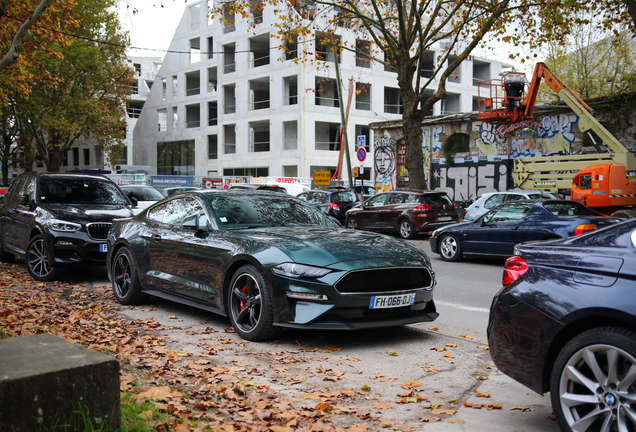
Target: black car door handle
x=156, y=237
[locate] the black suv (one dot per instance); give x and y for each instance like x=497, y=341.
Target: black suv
x=59, y=220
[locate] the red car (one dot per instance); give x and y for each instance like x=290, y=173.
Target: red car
x=406, y=212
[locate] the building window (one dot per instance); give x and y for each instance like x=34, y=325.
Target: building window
x=229, y=20
x=193, y=83
x=327, y=136
x=175, y=118
x=65, y=158
x=87, y=156
x=162, y=120
x=393, y=103
x=213, y=114
x=290, y=90
x=259, y=94
x=174, y=87
x=455, y=76
x=326, y=46
x=229, y=99
x=327, y=92
x=290, y=170
x=291, y=46
x=259, y=136
x=210, y=47
x=195, y=50
x=76, y=156
x=363, y=53
x=256, y=9
x=229, y=139
x=193, y=116
x=164, y=89
x=123, y=158
x=259, y=50
x=175, y=158
x=212, y=80
x=363, y=96
x=229, y=58
x=428, y=64
x=246, y=172
x=213, y=147
x=98, y=155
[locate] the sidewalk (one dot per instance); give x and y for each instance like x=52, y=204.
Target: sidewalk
x=536, y=415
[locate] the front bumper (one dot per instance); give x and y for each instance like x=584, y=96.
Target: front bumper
x=68, y=249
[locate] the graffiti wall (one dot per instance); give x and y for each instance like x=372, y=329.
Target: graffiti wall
x=470, y=177
x=488, y=165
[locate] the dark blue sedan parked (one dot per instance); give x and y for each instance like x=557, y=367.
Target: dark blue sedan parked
x=496, y=233
x=565, y=323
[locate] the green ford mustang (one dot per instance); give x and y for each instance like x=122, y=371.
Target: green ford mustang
x=267, y=261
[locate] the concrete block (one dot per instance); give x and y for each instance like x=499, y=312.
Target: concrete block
x=47, y=382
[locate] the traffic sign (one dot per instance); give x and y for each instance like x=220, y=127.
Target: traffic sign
x=362, y=140
x=362, y=154
x=355, y=171
x=322, y=178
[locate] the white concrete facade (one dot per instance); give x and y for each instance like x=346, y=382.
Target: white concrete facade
x=261, y=128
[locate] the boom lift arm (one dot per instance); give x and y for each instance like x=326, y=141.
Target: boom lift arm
x=505, y=103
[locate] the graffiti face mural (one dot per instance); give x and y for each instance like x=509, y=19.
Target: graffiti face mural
x=384, y=163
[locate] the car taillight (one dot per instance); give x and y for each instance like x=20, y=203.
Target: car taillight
x=455, y=205
x=424, y=207
x=584, y=228
x=334, y=207
x=514, y=268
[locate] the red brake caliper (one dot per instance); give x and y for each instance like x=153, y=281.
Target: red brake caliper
x=245, y=292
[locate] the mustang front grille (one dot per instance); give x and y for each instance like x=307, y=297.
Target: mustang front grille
x=98, y=231
x=384, y=280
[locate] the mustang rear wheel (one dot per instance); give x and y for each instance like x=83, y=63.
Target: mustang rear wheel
x=407, y=231
x=593, y=385
x=126, y=286
x=250, y=306
x=449, y=248
x=37, y=260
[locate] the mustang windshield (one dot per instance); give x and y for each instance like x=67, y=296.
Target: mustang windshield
x=247, y=210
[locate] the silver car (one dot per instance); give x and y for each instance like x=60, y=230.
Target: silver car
x=490, y=200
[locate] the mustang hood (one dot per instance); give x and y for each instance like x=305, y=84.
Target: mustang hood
x=325, y=246
x=87, y=212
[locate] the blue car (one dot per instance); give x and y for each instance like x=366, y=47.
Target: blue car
x=496, y=233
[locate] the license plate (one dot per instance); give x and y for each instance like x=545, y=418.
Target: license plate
x=444, y=218
x=103, y=248
x=383, y=302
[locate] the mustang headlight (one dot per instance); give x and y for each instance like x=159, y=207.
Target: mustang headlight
x=299, y=270
x=63, y=226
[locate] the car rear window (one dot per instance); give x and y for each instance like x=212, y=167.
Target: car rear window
x=344, y=197
x=436, y=199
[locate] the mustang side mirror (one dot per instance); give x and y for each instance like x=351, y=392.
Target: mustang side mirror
x=24, y=199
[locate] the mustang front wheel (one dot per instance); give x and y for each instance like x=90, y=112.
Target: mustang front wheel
x=593, y=385
x=250, y=306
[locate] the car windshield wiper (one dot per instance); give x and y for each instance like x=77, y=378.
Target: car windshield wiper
x=246, y=227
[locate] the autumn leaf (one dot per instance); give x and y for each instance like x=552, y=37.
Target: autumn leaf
x=449, y=355
x=465, y=336
x=382, y=406
x=366, y=388
x=393, y=353
x=484, y=395
x=480, y=377
x=486, y=347
x=426, y=419
x=472, y=405
x=349, y=393
x=411, y=384
x=452, y=345
x=460, y=421
x=438, y=349
x=523, y=409
x=433, y=328
x=322, y=406
x=493, y=406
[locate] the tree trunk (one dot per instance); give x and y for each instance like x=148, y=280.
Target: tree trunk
x=414, y=159
x=54, y=161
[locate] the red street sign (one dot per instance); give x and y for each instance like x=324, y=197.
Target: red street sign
x=362, y=154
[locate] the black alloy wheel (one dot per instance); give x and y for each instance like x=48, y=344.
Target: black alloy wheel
x=250, y=306
x=126, y=286
x=37, y=260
